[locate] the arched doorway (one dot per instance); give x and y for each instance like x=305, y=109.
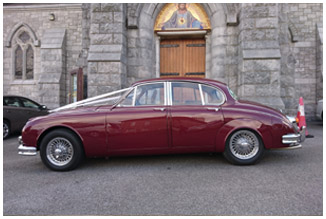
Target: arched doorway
x=182, y=50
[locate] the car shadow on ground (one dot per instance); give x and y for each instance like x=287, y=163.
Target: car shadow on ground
x=171, y=161
x=156, y=160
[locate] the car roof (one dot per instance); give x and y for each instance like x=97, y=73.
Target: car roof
x=15, y=96
x=19, y=97
x=188, y=79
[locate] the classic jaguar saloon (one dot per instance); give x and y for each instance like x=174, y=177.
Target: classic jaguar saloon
x=159, y=116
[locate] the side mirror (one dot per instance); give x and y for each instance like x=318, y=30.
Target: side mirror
x=43, y=107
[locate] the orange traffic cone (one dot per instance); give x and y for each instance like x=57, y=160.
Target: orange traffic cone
x=301, y=118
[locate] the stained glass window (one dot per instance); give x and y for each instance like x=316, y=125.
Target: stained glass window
x=18, y=63
x=24, y=57
x=24, y=37
x=29, y=62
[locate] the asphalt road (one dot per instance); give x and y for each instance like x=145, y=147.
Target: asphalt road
x=282, y=183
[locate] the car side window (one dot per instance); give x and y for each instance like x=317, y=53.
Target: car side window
x=29, y=104
x=128, y=101
x=212, y=96
x=12, y=101
x=150, y=94
x=184, y=93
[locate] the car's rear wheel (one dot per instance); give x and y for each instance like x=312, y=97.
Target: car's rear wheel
x=6, y=129
x=244, y=147
x=61, y=150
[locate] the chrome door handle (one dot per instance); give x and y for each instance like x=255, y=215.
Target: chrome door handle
x=213, y=109
x=159, y=109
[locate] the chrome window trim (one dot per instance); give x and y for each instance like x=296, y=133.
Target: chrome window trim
x=134, y=97
x=221, y=91
x=200, y=90
x=165, y=94
x=193, y=82
x=201, y=94
x=123, y=97
x=169, y=93
x=135, y=92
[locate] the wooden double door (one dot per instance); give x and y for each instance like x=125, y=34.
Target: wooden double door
x=182, y=58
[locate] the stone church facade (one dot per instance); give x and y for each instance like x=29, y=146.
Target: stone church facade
x=267, y=53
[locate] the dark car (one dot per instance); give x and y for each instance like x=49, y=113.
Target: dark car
x=17, y=111
x=160, y=116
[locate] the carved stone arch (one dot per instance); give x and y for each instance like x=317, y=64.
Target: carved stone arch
x=135, y=10
x=149, y=42
x=155, y=8
x=16, y=28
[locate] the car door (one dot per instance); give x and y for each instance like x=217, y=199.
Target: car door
x=14, y=113
x=139, y=122
x=196, y=116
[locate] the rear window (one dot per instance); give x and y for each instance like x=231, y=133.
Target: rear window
x=212, y=96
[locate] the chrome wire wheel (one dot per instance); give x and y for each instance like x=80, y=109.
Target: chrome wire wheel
x=244, y=145
x=59, y=151
x=5, y=130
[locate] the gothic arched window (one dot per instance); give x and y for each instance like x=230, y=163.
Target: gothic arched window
x=29, y=62
x=23, y=68
x=18, y=63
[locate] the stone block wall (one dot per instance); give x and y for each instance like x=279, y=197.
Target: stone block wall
x=287, y=61
x=259, y=63
x=319, y=61
x=217, y=42
x=267, y=52
x=106, y=60
x=232, y=54
x=67, y=16
x=303, y=18
x=53, y=80
x=141, y=44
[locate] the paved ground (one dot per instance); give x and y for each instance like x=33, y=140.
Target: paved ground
x=283, y=183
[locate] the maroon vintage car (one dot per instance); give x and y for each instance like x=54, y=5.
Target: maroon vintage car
x=160, y=116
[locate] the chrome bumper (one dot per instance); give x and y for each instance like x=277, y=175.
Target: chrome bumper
x=294, y=140
x=26, y=150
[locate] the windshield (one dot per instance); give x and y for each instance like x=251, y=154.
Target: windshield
x=234, y=96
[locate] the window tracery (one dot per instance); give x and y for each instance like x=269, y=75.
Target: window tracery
x=23, y=56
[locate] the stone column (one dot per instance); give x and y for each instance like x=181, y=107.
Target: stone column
x=108, y=48
x=52, y=82
x=157, y=49
x=259, y=57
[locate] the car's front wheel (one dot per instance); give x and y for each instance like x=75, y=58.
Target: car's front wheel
x=244, y=147
x=61, y=150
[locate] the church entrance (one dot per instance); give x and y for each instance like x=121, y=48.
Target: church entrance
x=182, y=58
x=181, y=28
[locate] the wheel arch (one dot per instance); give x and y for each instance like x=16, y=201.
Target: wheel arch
x=45, y=132
x=260, y=129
